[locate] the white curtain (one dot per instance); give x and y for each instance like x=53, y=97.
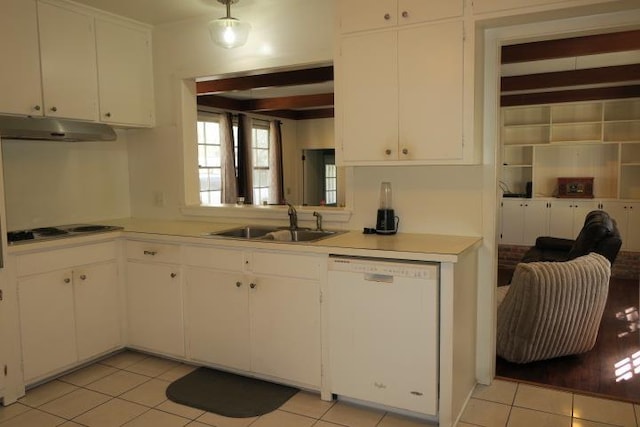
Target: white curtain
x=276, y=181
x=227, y=160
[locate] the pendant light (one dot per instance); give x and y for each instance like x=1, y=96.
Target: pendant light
x=229, y=32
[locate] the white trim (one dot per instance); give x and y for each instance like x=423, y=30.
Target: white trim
x=267, y=212
x=494, y=39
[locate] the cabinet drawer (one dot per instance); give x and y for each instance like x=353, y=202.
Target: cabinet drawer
x=50, y=260
x=152, y=251
x=287, y=264
x=222, y=259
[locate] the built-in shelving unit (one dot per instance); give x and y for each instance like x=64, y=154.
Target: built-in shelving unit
x=599, y=139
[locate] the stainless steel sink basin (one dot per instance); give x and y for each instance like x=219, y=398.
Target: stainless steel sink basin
x=298, y=235
x=245, y=232
x=276, y=234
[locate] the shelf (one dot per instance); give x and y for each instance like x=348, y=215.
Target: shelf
x=622, y=110
x=599, y=139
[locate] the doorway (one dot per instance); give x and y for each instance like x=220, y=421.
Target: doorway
x=627, y=301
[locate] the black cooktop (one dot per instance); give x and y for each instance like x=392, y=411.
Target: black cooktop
x=47, y=233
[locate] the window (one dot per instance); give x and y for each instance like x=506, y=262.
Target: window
x=330, y=184
x=209, y=164
x=261, y=180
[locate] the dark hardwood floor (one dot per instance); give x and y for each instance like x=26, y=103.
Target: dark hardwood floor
x=601, y=371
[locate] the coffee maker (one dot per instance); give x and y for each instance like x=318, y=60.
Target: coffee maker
x=386, y=222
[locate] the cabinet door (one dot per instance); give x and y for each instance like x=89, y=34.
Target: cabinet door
x=97, y=309
x=68, y=54
x=217, y=317
x=561, y=219
x=431, y=92
x=125, y=74
x=47, y=323
x=536, y=221
x=285, y=329
x=512, y=222
x=358, y=15
x=369, y=101
x=20, y=83
x=154, y=298
x=633, y=228
x=416, y=11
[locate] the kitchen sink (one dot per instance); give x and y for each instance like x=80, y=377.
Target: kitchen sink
x=277, y=234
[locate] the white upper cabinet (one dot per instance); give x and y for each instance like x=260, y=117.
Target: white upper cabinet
x=400, y=95
x=359, y=15
x=125, y=74
x=20, y=84
x=68, y=55
x=70, y=62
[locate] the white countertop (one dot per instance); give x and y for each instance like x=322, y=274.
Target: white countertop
x=428, y=247
x=413, y=246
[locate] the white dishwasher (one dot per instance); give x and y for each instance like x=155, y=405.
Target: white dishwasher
x=383, y=328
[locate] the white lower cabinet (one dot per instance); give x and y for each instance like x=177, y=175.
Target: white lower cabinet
x=67, y=315
x=217, y=317
x=255, y=311
x=627, y=217
x=154, y=298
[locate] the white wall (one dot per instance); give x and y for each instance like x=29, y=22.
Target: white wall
x=284, y=33
x=53, y=183
x=428, y=199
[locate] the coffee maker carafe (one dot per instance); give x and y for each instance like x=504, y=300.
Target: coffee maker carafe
x=386, y=222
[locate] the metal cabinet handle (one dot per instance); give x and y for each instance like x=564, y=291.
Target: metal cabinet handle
x=387, y=16
x=37, y=108
x=238, y=284
x=405, y=151
x=252, y=285
x=150, y=253
x=405, y=14
x=67, y=280
x=173, y=275
x=83, y=277
x=387, y=152
x=54, y=109
x=107, y=115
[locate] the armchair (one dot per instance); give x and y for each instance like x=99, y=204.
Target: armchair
x=552, y=309
x=599, y=234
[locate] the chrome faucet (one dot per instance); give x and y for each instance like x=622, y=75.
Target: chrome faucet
x=293, y=217
x=318, y=216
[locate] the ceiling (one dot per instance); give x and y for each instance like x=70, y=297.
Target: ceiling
x=572, y=69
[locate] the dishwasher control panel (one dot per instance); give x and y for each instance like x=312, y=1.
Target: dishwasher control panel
x=386, y=267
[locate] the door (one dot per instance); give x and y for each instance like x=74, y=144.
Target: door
x=561, y=219
x=369, y=87
x=154, y=298
x=68, y=54
x=20, y=83
x=125, y=74
x=359, y=15
x=535, y=221
x=47, y=323
x=384, y=339
x=217, y=317
x=97, y=308
x=633, y=227
x=430, y=96
x=285, y=328
x=512, y=222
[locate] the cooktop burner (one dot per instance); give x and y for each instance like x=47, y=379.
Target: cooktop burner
x=47, y=233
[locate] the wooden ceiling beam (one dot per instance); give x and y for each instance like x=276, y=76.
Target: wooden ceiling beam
x=576, y=46
x=614, y=74
x=282, y=78
x=615, y=92
x=292, y=102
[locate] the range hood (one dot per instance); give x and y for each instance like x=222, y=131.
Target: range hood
x=53, y=129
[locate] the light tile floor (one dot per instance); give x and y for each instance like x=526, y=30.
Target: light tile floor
x=128, y=389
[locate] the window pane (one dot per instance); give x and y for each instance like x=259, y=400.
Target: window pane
x=261, y=158
x=215, y=179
